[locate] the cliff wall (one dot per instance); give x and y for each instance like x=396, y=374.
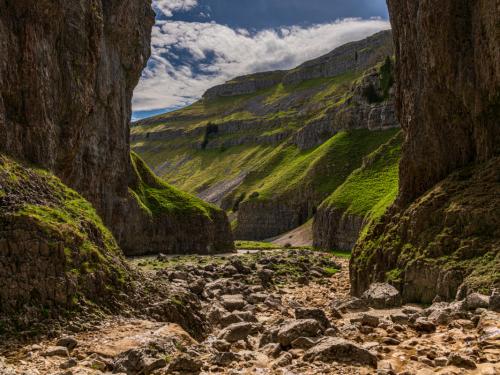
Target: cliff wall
x=67, y=74
x=441, y=238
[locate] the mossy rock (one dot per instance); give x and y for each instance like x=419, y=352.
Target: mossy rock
x=55, y=252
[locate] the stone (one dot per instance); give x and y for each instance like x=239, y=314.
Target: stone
x=303, y=343
x=57, y=351
x=353, y=304
x=272, y=349
x=68, y=364
x=68, y=342
x=233, y=302
x=266, y=276
x=424, y=325
x=283, y=360
x=400, y=318
x=152, y=364
x=441, y=361
x=370, y=320
x=269, y=336
x=313, y=313
x=224, y=359
x=382, y=296
x=495, y=300
x=256, y=298
x=476, y=300
x=340, y=350
x=221, y=345
x=291, y=331
x=458, y=360
x=236, y=332
x=185, y=363
x=390, y=341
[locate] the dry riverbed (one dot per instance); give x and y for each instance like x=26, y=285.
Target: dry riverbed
x=277, y=312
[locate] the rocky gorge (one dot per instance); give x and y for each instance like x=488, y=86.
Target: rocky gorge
x=277, y=144
x=106, y=268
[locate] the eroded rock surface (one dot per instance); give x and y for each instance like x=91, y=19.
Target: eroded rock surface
x=448, y=102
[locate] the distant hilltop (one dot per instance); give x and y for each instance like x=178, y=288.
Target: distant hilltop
x=354, y=56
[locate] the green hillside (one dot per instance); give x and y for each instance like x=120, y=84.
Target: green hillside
x=257, y=143
x=371, y=189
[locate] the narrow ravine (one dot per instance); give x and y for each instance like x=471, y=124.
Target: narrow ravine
x=277, y=312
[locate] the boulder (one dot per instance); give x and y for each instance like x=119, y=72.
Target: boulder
x=56, y=351
x=68, y=342
x=458, y=360
x=424, y=325
x=340, y=350
x=233, y=302
x=353, y=304
x=291, y=331
x=185, y=363
x=224, y=359
x=382, y=296
x=313, y=313
x=236, y=332
x=476, y=300
x=370, y=320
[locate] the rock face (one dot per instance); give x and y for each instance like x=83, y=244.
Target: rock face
x=448, y=88
x=65, y=103
x=448, y=101
x=335, y=229
x=54, y=248
x=359, y=55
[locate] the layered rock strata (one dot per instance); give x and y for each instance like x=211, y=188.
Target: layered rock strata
x=67, y=74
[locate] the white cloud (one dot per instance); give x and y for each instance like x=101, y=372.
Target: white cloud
x=232, y=53
x=167, y=7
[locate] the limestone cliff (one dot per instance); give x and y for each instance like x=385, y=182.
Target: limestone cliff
x=67, y=73
x=442, y=235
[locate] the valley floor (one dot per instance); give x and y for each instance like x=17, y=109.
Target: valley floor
x=273, y=312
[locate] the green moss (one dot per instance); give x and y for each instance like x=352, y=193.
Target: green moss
x=330, y=271
x=255, y=245
x=394, y=275
x=65, y=225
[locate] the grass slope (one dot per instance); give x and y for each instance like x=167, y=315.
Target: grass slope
x=371, y=189
x=157, y=197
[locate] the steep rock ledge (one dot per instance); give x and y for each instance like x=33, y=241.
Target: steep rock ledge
x=67, y=73
x=163, y=219
x=448, y=101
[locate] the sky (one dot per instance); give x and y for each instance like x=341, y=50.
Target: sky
x=197, y=44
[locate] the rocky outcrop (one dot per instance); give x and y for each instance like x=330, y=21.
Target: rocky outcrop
x=54, y=249
x=245, y=85
x=360, y=55
x=67, y=73
x=259, y=220
x=162, y=219
x=335, y=229
x=355, y=56
x=442, y=236
x=65, y=103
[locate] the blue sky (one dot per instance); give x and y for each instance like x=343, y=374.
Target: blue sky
x=197, y=44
